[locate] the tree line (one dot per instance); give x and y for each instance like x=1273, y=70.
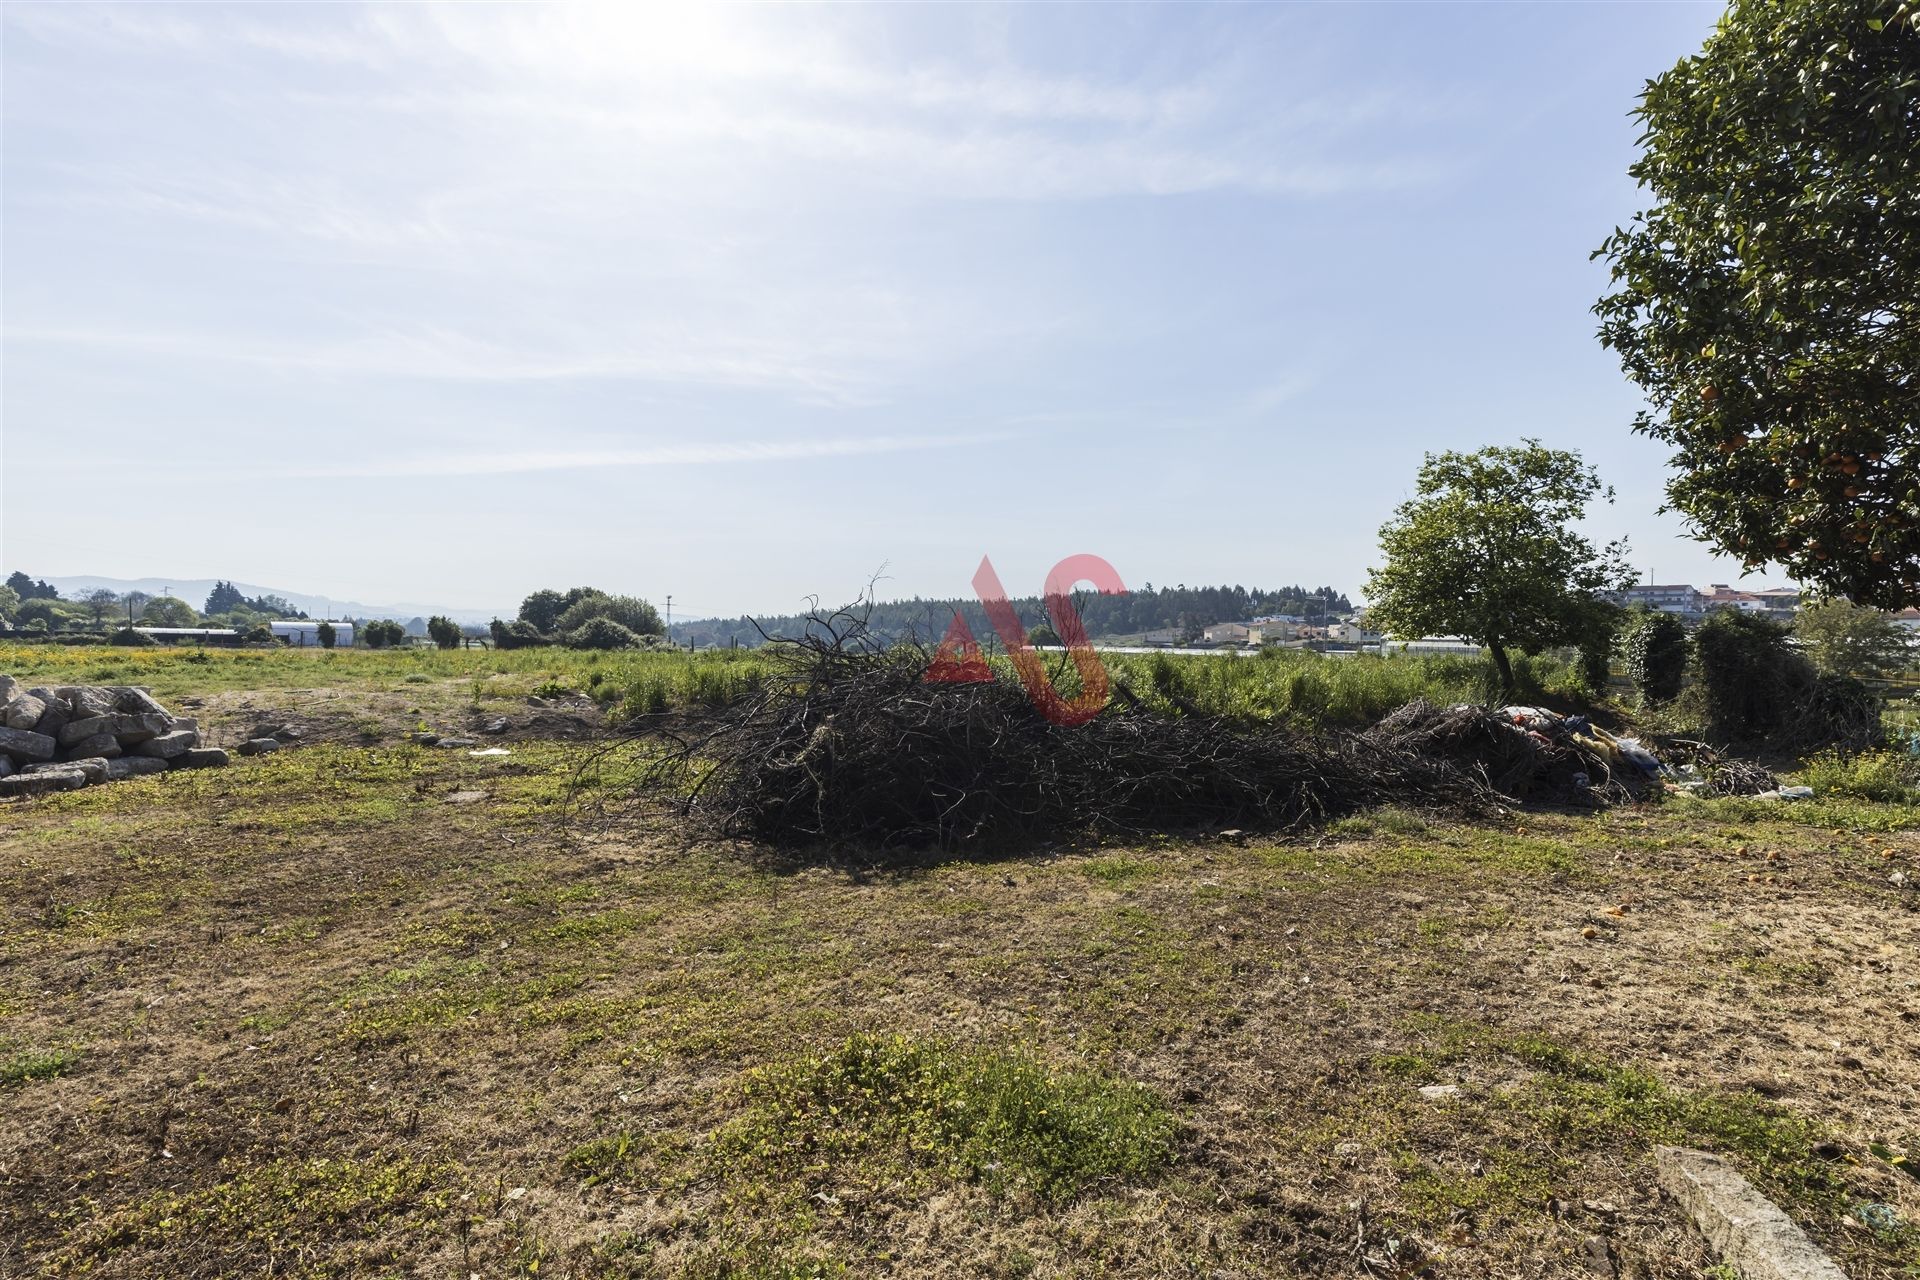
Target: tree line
x=1181, y=609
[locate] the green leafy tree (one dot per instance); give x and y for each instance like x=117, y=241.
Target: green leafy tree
x=444, y=632
x=224, y=598
x=100, y=602
x=326, y=635
x=28, y=589
x=1767, y=304
x=1847, y=639
x=9, y=603
x=542, y=610
x=168, y=611
x=1656, y=652
x=1487, y=549
x=1042, y=635
x=39, y=609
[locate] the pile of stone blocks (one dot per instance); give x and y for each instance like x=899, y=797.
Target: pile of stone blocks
x=64, y=738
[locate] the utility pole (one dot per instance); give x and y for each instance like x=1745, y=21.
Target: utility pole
x=669, y=617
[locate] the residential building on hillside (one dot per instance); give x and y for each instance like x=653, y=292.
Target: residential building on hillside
x=1724, y=597
x=1677, y=598
x=1352, y=633
x=1227, y=633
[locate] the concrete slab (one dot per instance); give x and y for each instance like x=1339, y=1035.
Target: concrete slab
x=1745, y=1228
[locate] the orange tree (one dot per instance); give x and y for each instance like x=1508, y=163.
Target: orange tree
x=1768, y=303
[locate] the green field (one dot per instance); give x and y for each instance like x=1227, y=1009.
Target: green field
x=368, y=1008
x=1293, y=685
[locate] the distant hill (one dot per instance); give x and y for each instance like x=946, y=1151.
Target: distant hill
x=195, y=590
x=1181, y=608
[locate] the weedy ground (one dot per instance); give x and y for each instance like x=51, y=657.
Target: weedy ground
x=367, y=1008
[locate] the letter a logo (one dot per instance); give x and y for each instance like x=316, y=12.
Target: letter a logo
x=958, y=659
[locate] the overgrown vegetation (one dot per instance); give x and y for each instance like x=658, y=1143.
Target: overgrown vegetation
x=1759, y=690
x=1656, y=652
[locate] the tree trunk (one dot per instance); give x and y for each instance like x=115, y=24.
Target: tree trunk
x=1498, y=652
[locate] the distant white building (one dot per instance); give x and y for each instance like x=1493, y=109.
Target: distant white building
x=303, y=635
x=1228, y=633
x=1272, y=631
x=1351, y=633
x=1435, y=645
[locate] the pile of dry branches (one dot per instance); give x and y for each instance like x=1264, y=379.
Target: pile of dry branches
x=849, y=744
x=1740, y=778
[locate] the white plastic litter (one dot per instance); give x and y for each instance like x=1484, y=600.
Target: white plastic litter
x=491, y=751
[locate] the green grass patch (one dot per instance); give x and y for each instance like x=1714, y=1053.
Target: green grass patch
x=1001, y=1118
x=23, y=1067
x=270, y=1215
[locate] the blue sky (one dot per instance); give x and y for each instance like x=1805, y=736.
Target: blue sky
x=449, y=302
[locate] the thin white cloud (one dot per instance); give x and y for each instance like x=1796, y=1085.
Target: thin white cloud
x=444, y=354
x=454, y=463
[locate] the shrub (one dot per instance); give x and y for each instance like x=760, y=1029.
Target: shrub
x=128, y=638
x=646, y=697
x=326, y=635
x=515, y=635
x=383, y=634
x=602, y=633
x=258, y=633
x=1758, y=687
x=444, y=632
x=1753, y=677
x=1656, y=653
x=634, y=614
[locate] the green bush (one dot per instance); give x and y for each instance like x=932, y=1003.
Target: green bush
x=1889, y=776
x=647, y=696
x=634, y=614
x=128, y=638
x=515, y=635
x=1753, y=678
x=382, y=634
x=602, y=633
x=1656, y=653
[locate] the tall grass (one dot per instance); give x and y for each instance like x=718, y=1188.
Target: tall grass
x=1306, y=689
x=1293, y=686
